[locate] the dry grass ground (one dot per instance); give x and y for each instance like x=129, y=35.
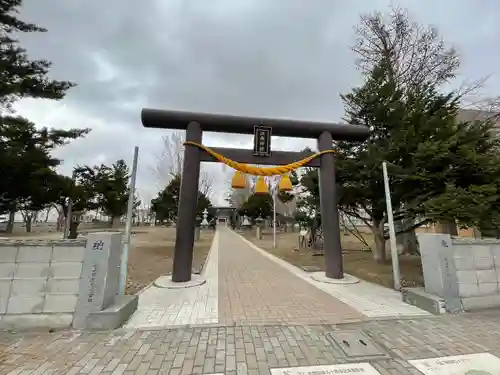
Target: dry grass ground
x=151, y=252
x=151, y=255
x=357, y=261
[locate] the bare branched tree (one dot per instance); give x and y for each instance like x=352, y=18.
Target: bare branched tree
x=490, y=106
x=169, y=163
x=414, y=55
x=206, y=183
x=169, y=160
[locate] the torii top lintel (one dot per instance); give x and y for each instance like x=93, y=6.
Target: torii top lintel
x=166, y=119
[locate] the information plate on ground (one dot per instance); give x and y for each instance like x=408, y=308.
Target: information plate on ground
x=351, y=368
x=471, y=364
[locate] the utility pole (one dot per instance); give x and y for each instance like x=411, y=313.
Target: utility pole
x=275, y=195
x=128, y=226
x=392, y=232
x=67, y=224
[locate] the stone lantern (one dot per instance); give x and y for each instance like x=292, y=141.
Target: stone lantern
x=259, y=221
x=197, y=228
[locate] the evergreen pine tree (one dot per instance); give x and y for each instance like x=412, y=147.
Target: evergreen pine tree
x=21, y=77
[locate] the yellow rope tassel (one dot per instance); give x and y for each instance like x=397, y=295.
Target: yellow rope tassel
x=258, y=171
x=238, y=181
x=285, y=183
x=261, y=186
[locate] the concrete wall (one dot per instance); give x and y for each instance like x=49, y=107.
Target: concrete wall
x=39, y=281
x=463, y=269
x=477, y=264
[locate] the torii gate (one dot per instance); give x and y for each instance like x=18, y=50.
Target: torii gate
x=196, y=123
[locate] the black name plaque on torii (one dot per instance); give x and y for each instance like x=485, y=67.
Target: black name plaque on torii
x=262, y=140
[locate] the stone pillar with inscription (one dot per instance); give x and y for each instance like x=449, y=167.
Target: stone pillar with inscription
x=98, y=303
x=439, y=269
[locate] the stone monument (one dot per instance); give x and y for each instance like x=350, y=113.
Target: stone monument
x=98, y=306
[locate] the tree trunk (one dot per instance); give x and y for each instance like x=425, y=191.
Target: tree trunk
x=407, y=242
x=10, y=223
x=378, y=238
x=410, y=243
x=115, y=222
x=452, y=228
x=47, y=214
x=27, y=220
x=60, y=220
x=73, y=229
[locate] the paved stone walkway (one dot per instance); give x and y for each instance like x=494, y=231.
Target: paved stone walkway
x=251, y=350
x=246, y=285
x=255, y=290
x=371, y=300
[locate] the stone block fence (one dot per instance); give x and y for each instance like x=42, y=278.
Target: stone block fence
x=463, y=272
x=44, y=283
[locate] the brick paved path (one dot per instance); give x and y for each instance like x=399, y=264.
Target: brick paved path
x=242, y=350
x=255, y=290
x=246, y=285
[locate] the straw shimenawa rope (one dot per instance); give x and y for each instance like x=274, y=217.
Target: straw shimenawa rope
x=258, y=171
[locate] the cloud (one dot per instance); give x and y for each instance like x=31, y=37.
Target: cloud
x=280, y=58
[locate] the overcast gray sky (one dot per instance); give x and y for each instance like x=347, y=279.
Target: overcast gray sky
x=280, y=58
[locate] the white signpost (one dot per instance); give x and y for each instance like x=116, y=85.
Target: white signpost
x=348, y=368
x=273, y=182
x=470, y=364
